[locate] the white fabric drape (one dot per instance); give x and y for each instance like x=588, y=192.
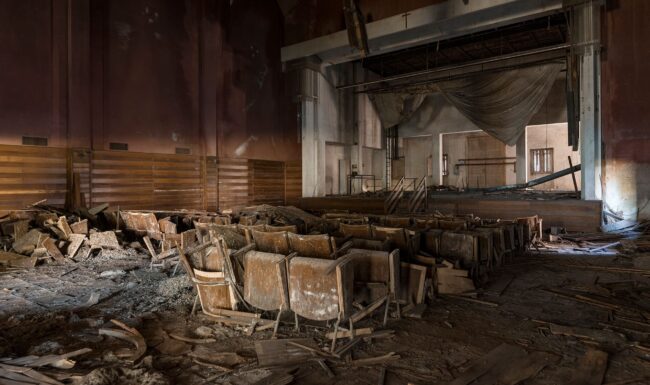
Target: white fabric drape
x=500, y=103
x=395, y=108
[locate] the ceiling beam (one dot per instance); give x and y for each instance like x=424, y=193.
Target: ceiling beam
x=446, y=20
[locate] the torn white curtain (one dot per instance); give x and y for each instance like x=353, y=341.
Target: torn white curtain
x=395, y=108
x=502, y=103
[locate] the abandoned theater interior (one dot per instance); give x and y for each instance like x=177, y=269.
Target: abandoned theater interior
x=270, y=192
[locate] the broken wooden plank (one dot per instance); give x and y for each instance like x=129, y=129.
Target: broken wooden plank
x=349, y=333
x=196, y=341
x=98, y=209
x=356, y=317
x=502, y=353
x=375, y=360
x=281, y=352
x=128, y=334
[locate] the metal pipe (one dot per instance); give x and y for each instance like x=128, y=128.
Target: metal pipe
x=535, y=182
x=459, y=66
x=476, y=159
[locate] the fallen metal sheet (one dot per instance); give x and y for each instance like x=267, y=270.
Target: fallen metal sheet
x=319, y=296
x=273, y=242
x=265, y=280
x=312, y=246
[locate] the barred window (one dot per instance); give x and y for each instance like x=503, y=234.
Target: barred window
x=541, y=161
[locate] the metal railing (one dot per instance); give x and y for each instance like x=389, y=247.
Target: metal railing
x=419, y=198
x=394, y=197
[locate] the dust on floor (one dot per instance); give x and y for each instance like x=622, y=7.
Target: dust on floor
x=53, y=309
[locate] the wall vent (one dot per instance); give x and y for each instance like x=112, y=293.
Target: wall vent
x=119, y=146
x=34, y=141
x=183, y=151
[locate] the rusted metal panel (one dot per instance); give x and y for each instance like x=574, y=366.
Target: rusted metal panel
x=265, y=280
x=314, y=294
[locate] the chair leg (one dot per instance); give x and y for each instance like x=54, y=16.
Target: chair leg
x=196, y=302
x=336, y=331
x=295, y=317
x=386, y=310
x=277, y=322
x=399, y=312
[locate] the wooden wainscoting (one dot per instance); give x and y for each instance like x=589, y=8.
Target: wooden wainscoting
x=143, y=181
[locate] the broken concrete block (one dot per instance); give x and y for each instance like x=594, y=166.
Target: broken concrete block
x=76, y=240
x=52, y=249
x=105, y=239
x=17, y=260
x=80, y=227
x=62, y=225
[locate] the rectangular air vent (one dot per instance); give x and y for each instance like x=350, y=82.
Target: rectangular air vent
x=34, y=141
x=183, y=151
x=119, y=146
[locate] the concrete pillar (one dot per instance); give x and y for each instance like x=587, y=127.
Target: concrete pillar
x=436, y=155
x=522, y=159
x=313, y=152
x=588, y=26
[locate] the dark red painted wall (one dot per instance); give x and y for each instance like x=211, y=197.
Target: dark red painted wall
x=156, y=74
x=625, y=88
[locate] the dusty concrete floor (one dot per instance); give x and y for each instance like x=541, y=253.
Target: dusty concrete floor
x=45, y=311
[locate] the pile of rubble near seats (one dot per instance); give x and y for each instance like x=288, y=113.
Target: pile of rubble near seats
x=42, y=234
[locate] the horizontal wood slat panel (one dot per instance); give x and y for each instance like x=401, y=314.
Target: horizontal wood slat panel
x=142, y=180
x=267, y=182
x=29, y=174
x=233, y=183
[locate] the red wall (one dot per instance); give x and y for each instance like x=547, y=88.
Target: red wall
x=625, y=88
x=156, y=74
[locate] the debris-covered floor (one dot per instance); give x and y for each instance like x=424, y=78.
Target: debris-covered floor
x=558, y=309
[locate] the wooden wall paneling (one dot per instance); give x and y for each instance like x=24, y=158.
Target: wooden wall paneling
x=268, y=182
x=233, y=182
x=81, y=165
x=122, y=178
x=29, y=174
x=211, y=192
x=177, y=182
x=292, y=182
